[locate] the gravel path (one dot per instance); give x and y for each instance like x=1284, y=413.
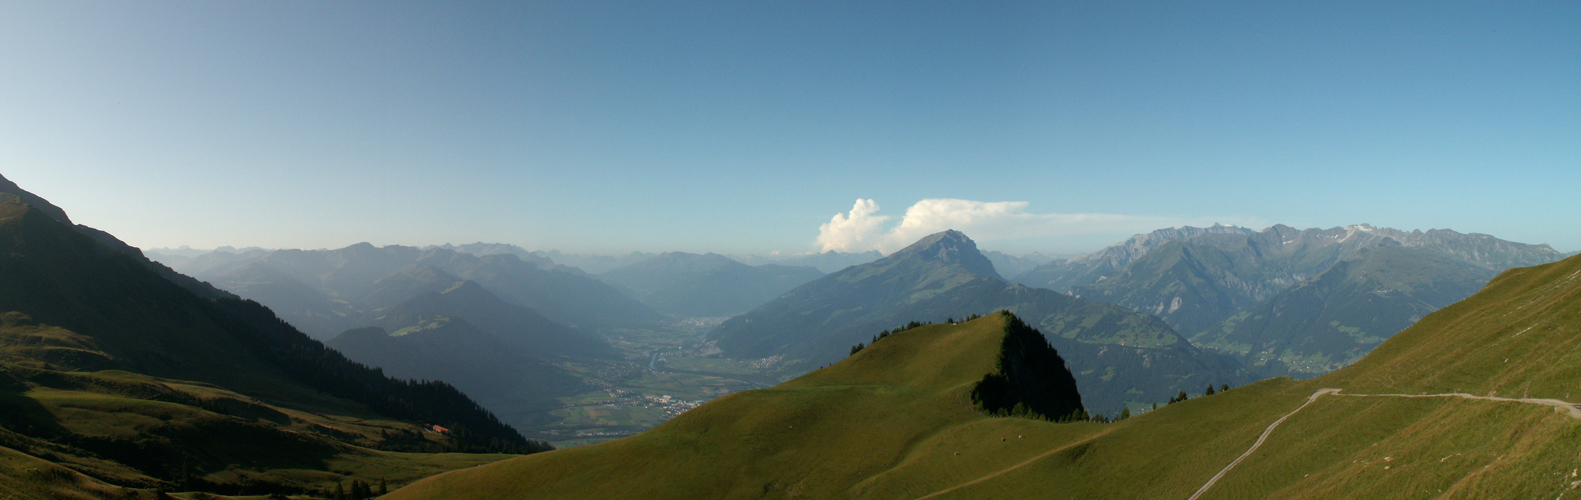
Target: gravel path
x=1572, y=409
x=1260, y=439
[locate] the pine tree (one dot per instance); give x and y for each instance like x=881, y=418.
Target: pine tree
x=1224, y=388
x=1208, y=392
x=1125, y=413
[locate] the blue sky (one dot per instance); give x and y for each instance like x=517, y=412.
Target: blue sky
x=745, y=126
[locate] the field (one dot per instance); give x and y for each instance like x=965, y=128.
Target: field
x=663, y=373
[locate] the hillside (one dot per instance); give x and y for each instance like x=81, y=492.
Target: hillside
x=1413, y=419
x=687, y=285
x=901, y=399
x=500, y=354
x=100, y=347
x=1120, y=357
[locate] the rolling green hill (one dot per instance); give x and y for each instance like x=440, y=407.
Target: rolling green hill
x=899, y=400
x=1413, y=419
x=1120, y=357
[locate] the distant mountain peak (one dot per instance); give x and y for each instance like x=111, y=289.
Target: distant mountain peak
x=950, y=247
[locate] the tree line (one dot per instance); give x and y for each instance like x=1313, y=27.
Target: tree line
x=909, y=325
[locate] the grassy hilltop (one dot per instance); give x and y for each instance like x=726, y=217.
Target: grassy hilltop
x=892, y=422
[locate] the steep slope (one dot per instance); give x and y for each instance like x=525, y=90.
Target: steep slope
x=1120, y=357
x=1337, y=317
x=115, y=430
x=81, y=314
x=689, y=285
x=109, y=241
x=895, y=401
x=1413, y=419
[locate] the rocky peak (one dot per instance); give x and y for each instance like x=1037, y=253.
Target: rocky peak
x=950, y=247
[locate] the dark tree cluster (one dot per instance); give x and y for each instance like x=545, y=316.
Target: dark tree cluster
x=1209, y=392
x=1031, y=380
x=358, y=490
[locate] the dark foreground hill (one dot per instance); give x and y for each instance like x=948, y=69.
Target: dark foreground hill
x=1119, y=357
x=880, y=411
x=1476, y=400
x=119, y=373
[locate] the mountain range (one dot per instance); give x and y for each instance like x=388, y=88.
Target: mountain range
x=325, y=292
x=1119, y=357
x=1207, y=282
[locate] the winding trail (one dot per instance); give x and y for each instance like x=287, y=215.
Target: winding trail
x=1572, y=409
x=1260, y=439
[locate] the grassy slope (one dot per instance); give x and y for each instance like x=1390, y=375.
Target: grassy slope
x=831, y=433
x=1339, y=447
x=118, y=427
x=892, y=431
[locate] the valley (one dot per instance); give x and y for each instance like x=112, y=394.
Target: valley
x=659, y=375
x=938, y=250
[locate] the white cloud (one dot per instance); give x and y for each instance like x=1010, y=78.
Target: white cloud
x=863, y=230
x=847, y=234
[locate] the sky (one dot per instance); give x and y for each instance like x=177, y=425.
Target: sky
x=754, y=127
